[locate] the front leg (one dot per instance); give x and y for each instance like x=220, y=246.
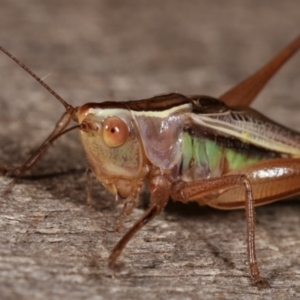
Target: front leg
x=196, y=190
x=159, y=188
x=32, y=160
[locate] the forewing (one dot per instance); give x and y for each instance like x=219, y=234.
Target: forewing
x=250, y=127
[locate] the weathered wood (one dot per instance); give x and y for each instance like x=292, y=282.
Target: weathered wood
x=52, y=246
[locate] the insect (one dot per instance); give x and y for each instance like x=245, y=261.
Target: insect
x=215, y=151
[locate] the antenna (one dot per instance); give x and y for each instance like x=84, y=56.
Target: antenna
x=69, y=108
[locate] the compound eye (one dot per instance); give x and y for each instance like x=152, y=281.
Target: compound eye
x=115, y=132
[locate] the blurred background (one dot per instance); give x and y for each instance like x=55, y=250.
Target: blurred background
x=97, y=50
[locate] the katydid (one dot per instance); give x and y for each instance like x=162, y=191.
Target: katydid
x=214, y=151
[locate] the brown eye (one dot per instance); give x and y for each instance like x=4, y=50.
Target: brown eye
x=115, y=132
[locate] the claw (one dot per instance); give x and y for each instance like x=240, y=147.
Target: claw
x=12, y=173
x=262, y=284
x=4, y=171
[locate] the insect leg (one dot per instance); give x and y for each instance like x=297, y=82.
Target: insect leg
x=271, y=180
x=60, y=126
x=159, y=189
x=129, y=205
x=250, y=229
x=89, y=200
x=195, y=190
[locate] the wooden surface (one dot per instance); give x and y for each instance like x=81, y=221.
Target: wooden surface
x=52, y=246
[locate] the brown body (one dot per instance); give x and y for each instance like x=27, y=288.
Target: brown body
x=122, y=153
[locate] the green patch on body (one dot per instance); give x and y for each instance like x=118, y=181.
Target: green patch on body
x=236, y=160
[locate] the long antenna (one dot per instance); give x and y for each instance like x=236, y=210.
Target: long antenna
x=69, y=108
